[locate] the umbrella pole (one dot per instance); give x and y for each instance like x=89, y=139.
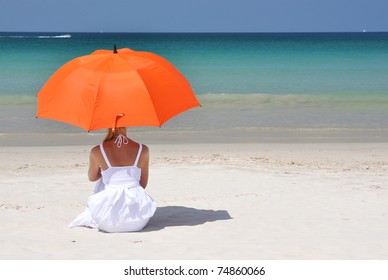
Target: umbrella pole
x=116, y=120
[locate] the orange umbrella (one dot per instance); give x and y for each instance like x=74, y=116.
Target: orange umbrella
x=113, y=89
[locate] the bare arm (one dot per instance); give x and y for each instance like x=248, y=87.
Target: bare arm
x=94, y=172
x=144, y=165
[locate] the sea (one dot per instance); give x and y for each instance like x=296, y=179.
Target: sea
x=255, y=86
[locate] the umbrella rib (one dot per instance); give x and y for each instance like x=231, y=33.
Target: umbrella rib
x=142, y=81
x=98, y=93
x=152, y=102
x=165, y=69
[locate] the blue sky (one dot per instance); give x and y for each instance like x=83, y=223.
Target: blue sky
x=194, y=15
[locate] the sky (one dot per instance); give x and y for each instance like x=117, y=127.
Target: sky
x=193, y=15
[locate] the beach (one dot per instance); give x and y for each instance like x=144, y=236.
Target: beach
x=286, y=159
x=215, y=201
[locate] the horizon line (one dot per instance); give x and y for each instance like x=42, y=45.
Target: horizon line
x=193, y=32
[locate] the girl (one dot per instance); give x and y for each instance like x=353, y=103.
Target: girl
x=120, y=203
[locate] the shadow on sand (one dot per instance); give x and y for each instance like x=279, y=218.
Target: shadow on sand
x=173, y=216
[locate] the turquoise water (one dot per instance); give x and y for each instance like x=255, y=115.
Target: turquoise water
x=306, y=80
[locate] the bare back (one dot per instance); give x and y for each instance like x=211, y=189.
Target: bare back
x=125, y=155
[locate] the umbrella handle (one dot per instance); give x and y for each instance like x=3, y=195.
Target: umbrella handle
x=119, y=116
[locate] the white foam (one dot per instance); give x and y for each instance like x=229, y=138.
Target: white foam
x=63, y=36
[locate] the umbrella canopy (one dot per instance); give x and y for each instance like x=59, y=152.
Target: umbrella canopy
x=114, y=89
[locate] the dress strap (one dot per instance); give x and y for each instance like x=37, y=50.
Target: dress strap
x=138, y=154
x=104, y=155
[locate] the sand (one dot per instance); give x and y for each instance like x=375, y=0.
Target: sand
x=273, y=201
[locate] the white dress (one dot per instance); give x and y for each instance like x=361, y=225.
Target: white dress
x=121, y=205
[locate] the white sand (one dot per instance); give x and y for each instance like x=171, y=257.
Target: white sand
x=216, y=201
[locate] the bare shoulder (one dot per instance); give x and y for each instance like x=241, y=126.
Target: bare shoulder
x=145, y=150
x=95, y=151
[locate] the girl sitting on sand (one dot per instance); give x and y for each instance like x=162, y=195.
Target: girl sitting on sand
x=120, y=203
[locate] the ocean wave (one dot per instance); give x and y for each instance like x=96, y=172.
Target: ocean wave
x=292, y=100
x=18, y=100
x=240, y=101
x=62, y=36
